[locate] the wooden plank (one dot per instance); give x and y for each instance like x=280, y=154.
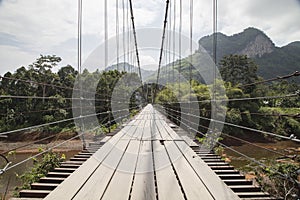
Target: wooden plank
x=126, y=160
x=147, y=130
x=106, y=138
x=143, y=186
x=170, y=131
x=189, y=141
x=103, y=174
x=192, y=185
x=34, y=193
x=164, y=133
x=140, y=130
x=75, y=181
x=140, y=127
x=96, y=184
x=215, y=185
x=167, y=184
x=122, y=179
x=154, y=129
x=131, y=132
x=159, y=115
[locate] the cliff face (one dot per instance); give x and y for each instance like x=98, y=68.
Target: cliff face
x=272, y=61
x=251, y=42
x=258, y=47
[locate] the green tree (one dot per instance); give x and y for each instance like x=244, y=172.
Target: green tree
x=239, y=69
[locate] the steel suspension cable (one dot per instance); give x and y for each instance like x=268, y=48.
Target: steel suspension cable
x=135, y=43
x=215, y=29
x=106, y=57
x=49, y=110
x=214, y=86
x=296, y=73
x=242, y=140
x=169, y=42
x=58, y=98
x=79, y=62
x=51, y=148
x=162, y=46
x=242, y=99
x=244, y=155
x=46, y=84
x=59, y=121
x=41, y=153
x=179, y=46
x=117, y=33
x=40, y=140
x=128, y=39
x=239, y=126
x=123, y=34
x=203, y=101
x=29, y=144
x=50, y=123
x=52, y=85
x=191, y=54
x=297, y=115
x=79, y=45
x=174, y=40
x=105, y=34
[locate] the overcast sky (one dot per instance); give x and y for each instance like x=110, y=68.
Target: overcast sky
x=33, y=27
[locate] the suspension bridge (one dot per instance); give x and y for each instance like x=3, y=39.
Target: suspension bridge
x=153, y=155
x=149, y=158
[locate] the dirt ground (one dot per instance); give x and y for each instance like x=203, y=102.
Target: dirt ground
x=68, y=146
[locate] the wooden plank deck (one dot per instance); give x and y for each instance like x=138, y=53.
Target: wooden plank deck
x=144, y=160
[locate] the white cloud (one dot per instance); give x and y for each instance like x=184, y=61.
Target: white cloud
x=12, y=58
x=278, y=19
x=50, y=26
x=148, y=62
x=39, y=23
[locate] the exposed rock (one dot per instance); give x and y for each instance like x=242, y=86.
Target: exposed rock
x=258, y=47
x=272, y=61
x=252, y=42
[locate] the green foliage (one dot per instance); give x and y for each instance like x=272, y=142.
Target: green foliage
x=219, y=150
x=281, y=61
x=105, y=130
x=19, y=113
x=280, y=179
x=231, y=44
x=271, y=120
x=38, y=80
x=258, y=114
x=205, y=141
x=238, y=69
x=40, y=168
x=134, y=112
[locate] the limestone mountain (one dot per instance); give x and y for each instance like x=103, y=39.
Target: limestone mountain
x=251, y=42
x=272, y=61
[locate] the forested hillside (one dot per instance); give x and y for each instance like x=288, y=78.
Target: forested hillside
x=272, y=107
x=36, y=95
x=272, y=61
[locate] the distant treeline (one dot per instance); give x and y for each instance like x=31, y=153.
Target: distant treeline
x=276, y=115
x=36, y=95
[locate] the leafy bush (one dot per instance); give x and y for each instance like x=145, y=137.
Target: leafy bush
x=40, y=168
x=279, y=124
x=280, y=179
